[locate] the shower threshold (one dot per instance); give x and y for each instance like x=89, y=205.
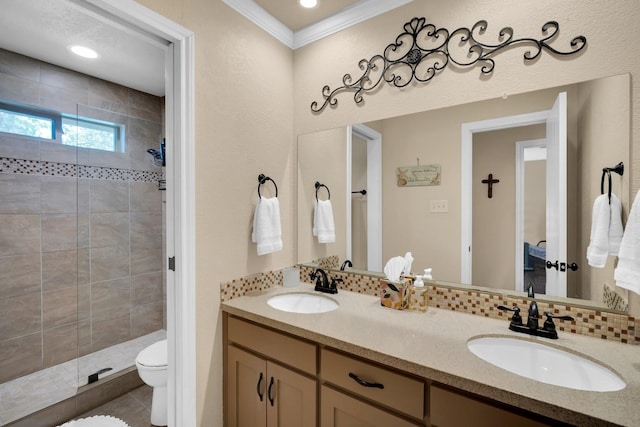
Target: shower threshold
x=30, y=393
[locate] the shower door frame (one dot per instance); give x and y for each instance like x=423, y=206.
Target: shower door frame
x=180, y=134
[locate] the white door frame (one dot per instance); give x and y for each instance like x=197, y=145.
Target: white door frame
x=374, y=194
x=180, y=136
x=520, y=196
x=466, y=202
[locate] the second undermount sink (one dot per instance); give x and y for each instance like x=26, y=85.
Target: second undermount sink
x=546, y=364
x=302, y=303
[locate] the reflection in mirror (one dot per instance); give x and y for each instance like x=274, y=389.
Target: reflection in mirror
x=598, y=135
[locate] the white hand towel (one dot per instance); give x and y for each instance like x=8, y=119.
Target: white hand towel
x=266, y=226
x=323, y=225
x=615, y=226
x=598, y=248
x=627, y=273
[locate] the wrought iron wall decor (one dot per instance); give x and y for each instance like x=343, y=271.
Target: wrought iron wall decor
x=422, y=51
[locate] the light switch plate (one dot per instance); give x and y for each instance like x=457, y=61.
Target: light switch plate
x=439, y=206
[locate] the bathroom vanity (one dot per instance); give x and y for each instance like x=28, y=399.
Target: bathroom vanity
x=386, y=367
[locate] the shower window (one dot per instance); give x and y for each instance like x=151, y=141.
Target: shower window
x=91, y=133
x=83, y=132
x=25, y=122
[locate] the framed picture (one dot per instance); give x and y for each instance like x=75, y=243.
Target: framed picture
x=412, y=176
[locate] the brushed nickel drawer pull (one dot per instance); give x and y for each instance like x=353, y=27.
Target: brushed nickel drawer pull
x=365, y=383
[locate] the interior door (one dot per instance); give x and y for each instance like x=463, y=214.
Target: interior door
x=557, y=197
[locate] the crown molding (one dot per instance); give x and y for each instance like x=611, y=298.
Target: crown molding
x=348, y=17
x=359, y=12
x=254, y=13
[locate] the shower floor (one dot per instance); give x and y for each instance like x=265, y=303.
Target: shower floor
x=33, y=392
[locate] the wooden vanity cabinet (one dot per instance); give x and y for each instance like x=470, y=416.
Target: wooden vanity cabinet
x=275, y=379
x=260, y=391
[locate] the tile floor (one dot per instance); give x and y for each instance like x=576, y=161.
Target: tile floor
x=134, y=408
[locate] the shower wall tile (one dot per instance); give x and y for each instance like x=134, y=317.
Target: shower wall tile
x=146, y=242
x=17, y=65
x=20, y=315
x=145, y=106
x=84, y=302
x=20, y=356
x=107, y=95
x=145, y=197
x=59, y=195
x=60, y=344
x=61, y=99
x=56, y=152
x=109, y=229
x=19, y=234
x=19, y=275
x=146, y=319
x=110, y=300
x=59, y=269
x=84, y=266
x=63, y=78
x=146, y=288
x=105, y=333
x=19, y=194
x=108, y=263
x=59, y=232
x=76, y=222
x=18, y=89
x=18, y=147
x=109, y=196
x=59, y=307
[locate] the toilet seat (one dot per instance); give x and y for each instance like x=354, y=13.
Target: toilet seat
x=154, y=356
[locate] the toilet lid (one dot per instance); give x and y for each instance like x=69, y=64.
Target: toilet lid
x=155, y=355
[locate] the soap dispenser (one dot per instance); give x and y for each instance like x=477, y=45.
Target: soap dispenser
x=418, y=295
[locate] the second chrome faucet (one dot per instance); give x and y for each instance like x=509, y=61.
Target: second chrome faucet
x=532, y=326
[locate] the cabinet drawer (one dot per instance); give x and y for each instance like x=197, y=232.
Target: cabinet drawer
x=283, y=348
x=340, y=410
x=400, y=392
x=450, y=409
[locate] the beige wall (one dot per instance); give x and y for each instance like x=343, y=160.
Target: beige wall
x=244, y=127
x=322, y=158
x=359, y=203
x=246, y=120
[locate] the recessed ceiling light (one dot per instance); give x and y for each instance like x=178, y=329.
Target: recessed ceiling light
x=84, y=51
x=308, y=3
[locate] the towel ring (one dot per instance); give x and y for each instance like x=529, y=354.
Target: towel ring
x=619, y=169
x=318, y=185
x=261, y=180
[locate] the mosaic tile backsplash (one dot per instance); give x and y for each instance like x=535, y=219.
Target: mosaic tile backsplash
x=595, y=323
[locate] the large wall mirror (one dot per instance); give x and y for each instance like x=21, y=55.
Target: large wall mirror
x=509, y=228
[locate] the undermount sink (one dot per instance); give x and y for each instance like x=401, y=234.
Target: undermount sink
x=546, y=364
x=302, y=303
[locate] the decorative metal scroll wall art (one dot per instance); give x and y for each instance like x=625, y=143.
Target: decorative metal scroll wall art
x=422, y=51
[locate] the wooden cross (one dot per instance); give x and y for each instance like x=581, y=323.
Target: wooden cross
x=490, y=181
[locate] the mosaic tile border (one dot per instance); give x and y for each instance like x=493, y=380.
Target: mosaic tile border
x=594, y=323
x=43, y=168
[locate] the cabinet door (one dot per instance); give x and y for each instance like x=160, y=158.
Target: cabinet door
x=247, y=387
x=340, y=410
x=291, y=398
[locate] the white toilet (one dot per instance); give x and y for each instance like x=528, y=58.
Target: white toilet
x=152, y=368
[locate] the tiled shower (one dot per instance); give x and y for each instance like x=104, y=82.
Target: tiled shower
x=82, y=231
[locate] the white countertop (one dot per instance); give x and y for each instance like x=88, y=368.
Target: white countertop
x=433, y=345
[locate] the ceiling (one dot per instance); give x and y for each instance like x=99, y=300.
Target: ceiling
x=43, y=29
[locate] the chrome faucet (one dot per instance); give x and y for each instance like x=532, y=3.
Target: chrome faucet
x=532, y=327
x=322, y=282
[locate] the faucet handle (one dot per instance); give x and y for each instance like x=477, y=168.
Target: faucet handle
x=516, y=319
x=549, y=325
x=334, y=282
